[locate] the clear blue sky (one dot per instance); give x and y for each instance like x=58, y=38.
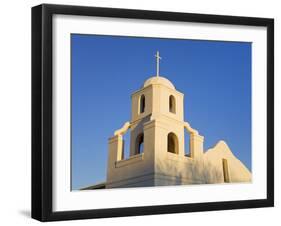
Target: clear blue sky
x=214, y=76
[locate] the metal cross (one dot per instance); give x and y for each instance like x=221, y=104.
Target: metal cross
x=158, y=58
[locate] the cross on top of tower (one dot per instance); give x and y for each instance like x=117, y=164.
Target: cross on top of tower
x=158, y=58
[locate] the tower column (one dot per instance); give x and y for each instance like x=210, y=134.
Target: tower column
x=115, y=153
x=196, y=145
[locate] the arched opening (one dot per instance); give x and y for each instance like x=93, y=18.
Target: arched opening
x=142, y=103
x=172, y=104
x=139, y=144
x=173, y=145
x=126, y=145
x=187, y=144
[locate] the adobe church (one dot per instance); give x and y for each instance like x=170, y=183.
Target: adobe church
x=157, y=147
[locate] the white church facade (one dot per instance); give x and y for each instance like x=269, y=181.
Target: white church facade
x=157, y=145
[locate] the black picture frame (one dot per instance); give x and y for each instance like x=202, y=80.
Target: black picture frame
x=42, y=111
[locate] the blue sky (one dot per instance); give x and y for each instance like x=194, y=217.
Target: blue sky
x=214, y=76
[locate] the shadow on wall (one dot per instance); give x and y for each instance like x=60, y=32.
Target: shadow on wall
x=189, y=171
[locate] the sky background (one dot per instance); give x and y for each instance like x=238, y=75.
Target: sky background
x=214, y=76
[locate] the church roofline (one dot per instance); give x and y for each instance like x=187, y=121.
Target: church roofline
x=95, y=186
x=219, y=143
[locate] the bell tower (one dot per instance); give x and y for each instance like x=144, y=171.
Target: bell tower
x=157, y=130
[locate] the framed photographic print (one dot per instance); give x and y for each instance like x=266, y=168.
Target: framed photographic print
x=145, y=112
